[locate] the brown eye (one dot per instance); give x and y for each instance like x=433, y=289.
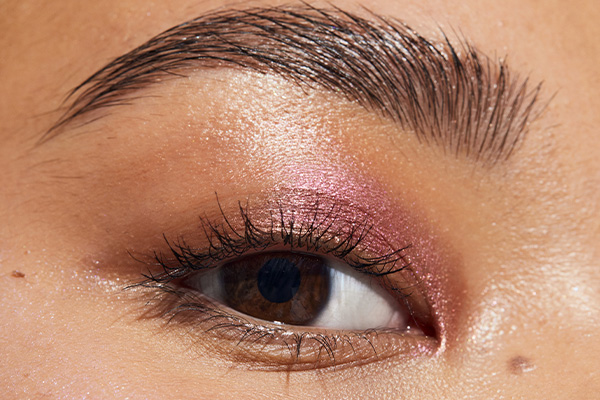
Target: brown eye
x=300, y=289
x=290, y=288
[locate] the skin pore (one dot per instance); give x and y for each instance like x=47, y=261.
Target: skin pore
x=504, y=256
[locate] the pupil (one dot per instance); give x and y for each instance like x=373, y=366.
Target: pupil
x=286, y=287
x=278, y=280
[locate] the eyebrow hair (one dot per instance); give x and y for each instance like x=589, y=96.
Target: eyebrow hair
x=449, y=96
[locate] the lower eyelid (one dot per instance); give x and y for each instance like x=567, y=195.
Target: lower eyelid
x=262, y=345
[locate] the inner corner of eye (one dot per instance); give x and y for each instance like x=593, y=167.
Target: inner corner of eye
x=294, y=288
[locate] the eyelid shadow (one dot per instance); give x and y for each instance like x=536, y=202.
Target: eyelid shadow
x=453, y=97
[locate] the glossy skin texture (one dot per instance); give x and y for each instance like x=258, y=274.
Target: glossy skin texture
x=513, y=249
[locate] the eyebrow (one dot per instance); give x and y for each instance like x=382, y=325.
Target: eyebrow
x=450, y=96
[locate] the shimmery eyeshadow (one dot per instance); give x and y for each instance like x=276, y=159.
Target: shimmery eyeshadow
x=395, y=223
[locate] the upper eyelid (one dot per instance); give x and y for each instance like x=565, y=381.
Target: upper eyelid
x=465, y=102
x=224, y=241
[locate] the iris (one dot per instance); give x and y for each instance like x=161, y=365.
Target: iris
x=286, y=287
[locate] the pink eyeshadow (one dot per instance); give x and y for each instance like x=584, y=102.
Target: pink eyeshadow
x=357, y=199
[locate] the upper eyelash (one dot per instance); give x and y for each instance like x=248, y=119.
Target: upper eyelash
x=225, y=242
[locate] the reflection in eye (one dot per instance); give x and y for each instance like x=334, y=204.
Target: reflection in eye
x=299, y=289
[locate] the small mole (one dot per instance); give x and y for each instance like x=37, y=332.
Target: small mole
x=519, y=365
x=17, y=274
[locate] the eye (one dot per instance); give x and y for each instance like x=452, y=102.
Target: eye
x=296, y=288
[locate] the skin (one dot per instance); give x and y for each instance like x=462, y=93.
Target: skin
x=520, y=239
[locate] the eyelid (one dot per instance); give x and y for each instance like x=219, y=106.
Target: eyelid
x=218, y=332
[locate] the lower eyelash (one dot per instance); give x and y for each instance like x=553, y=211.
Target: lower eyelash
x=269, y=347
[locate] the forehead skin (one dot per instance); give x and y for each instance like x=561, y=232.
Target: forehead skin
x=529, y=248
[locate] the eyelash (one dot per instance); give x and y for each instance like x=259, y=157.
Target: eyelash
x=223, y=242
